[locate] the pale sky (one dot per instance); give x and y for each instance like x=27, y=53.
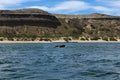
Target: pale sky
x=111, y=7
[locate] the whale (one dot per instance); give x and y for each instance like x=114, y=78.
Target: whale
x=59, y=46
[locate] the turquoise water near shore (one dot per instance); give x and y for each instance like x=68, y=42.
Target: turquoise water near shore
x=77, y=61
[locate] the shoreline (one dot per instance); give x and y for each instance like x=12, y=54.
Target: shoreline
x=60, y=41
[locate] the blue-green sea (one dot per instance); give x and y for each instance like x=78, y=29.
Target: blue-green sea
x=76, y=61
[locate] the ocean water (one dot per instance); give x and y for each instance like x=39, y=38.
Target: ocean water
x=77, y=61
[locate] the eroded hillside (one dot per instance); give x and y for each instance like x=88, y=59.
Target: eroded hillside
x=34, y=23
x=92, y=26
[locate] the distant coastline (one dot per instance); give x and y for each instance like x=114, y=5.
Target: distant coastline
x=38, y=26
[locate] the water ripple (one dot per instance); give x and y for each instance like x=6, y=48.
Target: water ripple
x=77, y=61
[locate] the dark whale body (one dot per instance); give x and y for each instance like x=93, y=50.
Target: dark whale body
x=59, y=46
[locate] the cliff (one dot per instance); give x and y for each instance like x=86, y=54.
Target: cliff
x=27, y=23
x=27, y=17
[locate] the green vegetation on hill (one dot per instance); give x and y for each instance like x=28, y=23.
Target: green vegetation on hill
x=30, y=24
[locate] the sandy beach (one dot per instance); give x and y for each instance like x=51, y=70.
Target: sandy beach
x=78, y=41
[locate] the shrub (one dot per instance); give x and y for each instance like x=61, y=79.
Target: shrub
x=95, y=38
x=106, y=39
x=83, y=39
x=113, y=39
x=67, y=39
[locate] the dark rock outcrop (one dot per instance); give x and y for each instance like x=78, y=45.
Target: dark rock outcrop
x=28, y=17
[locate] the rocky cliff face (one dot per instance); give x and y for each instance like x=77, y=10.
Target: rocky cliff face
x=39, y=23
x=26, y=23
x=27, y=17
